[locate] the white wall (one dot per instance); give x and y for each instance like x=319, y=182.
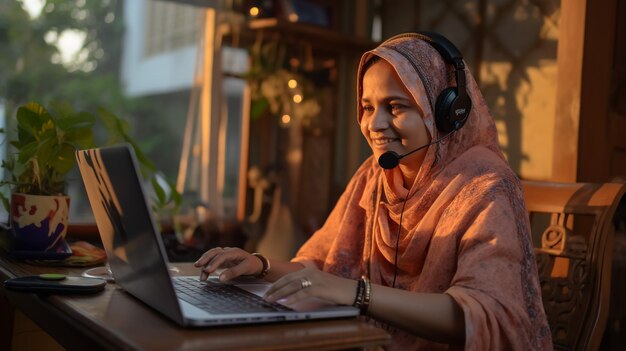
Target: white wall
x=155, y=74
x=165, y=72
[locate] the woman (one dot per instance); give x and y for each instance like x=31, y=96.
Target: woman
x=452, y=262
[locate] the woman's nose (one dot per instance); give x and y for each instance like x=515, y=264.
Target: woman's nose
x=379, y=120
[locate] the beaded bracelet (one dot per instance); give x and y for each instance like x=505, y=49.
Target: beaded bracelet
x=366, y=295
x=363, y=295
x=266, y=265
x=360, y=290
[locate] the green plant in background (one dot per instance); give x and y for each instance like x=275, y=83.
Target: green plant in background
x=165, y=194
x=281, y=85
x=45, y=146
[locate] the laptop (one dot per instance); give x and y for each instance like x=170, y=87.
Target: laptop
x=139, y=264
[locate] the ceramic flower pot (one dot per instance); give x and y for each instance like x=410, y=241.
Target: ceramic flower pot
x=38, y=222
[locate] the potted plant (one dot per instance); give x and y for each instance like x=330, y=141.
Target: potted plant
x=44, y=154
x=45, y=145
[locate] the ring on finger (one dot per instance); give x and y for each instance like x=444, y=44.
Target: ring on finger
x=305, y=283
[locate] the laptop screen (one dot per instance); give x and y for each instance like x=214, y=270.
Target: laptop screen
x=130, y=237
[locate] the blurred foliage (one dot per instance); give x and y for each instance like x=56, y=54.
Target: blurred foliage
x=31, y=68
x=281, y=84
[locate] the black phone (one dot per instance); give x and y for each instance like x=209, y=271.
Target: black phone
x=59, y=284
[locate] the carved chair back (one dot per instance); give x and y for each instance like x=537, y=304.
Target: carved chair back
x=573, y=238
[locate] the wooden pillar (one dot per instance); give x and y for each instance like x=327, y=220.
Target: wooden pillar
x=585, y=56
x=594, y=148
x=210, y=111
x=568, y=89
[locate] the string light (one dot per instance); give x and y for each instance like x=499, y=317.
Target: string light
x=285, y=119
x=297, y=98
x=254, y=11
x=292, y=83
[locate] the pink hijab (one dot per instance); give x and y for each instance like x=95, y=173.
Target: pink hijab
x=465, y=229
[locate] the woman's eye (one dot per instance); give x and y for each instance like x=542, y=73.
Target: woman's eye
x=395, y=107
x=368, y=108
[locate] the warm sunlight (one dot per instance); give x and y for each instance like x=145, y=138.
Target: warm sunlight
x=69, y=42
x=33, y=7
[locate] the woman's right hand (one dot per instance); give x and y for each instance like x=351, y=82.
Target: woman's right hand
x=236, y=261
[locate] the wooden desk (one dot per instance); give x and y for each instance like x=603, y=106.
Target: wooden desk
x=115, y=320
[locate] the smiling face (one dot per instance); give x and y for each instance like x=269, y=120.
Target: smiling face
x=392, y=120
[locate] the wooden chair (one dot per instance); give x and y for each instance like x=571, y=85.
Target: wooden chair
x=573, y=234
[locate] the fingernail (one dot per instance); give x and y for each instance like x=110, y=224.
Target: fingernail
x=222, y=278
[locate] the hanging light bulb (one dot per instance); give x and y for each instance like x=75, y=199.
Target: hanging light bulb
x=285, y=119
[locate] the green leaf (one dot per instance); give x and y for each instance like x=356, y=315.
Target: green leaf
x=80, y=138
x=176, y=196
x=27, y=124
x=64, y=160
x=146, y=164
x=27, y=152
x=31, y=118
x=158, y=190
x=18, y=170
x=258, y=108
x=5, y=201
x=23, y=137
x=34, y=108
x=46, y=150
x=81, y=120
x=47, y=134
x=117, y=128
x=60, y=109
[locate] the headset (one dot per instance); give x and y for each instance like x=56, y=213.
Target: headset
x=453, y=104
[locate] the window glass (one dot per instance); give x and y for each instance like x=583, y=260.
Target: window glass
x=134, y=58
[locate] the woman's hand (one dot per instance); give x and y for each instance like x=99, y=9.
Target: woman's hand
x=311, y=282
x=237, y=261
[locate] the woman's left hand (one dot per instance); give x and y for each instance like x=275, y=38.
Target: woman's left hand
x=311, y=282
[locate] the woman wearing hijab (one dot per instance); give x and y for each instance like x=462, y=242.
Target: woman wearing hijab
x=438, y=249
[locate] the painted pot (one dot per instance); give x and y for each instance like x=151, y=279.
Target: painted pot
x=38, y=222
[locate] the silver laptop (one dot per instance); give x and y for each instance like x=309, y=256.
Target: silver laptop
x=139, y=263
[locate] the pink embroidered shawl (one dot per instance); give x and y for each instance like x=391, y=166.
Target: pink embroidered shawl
x=465, y=229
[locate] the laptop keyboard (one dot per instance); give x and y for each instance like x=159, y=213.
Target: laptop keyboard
x=222, y=298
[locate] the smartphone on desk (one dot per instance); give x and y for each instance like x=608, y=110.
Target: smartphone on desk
x=55, y=284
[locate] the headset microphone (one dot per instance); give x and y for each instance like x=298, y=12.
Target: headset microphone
x=391, y=159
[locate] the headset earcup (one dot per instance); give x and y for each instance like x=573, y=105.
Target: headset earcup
x=444, y=103
x=462, y=103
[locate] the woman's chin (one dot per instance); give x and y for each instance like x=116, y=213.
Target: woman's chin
x=382, y=151
x=377, y=154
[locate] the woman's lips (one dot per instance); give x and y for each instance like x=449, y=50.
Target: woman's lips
x=383, y=141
